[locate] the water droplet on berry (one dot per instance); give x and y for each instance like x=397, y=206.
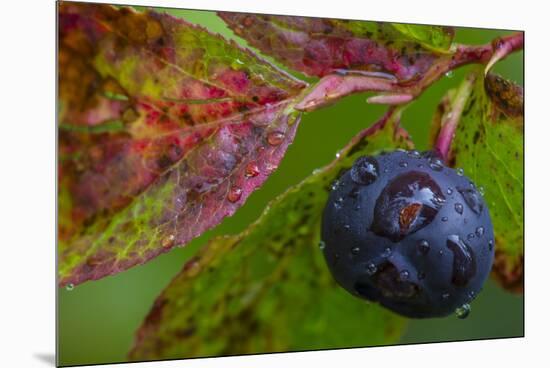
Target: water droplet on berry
x=414, y=154
x=335, y=184
x=252, y=170
x=387, y=252
x=460, y=171
x=69, y=287
x=463, y=311
x=445, y=296
x=407, y=204
x=234, y=194
x=459, y=208
x=436, y=164
x=354, y=193
x=423, y=247
x=444, y=219
x=480, y=231
x=403, y=164
x=338, y=203
x=449, y=191
x=404, y=275
x=464, y=264
x=275, y=138
x=371, y=269
x=364, y=171
x=347, y=227
x=471, y=236
x=472, y=199
x=491, y=245
x=355, y=250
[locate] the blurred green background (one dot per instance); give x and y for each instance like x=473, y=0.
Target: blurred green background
x=97, y=320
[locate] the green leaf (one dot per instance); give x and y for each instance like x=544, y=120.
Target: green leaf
x=437, y=38
x=164, y=130
x=489, y=147
x=268, y=289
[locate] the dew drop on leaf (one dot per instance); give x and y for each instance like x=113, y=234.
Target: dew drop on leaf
x=275, y=138
x=252, y=170
x=234, y=194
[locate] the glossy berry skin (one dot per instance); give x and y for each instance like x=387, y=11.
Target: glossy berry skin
x=404, y=230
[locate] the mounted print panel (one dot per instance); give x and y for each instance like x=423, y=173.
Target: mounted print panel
x=239, y=183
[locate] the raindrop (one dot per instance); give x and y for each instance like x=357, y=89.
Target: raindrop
x=347, y=227
x=463, y=311
x=491, y=245
x=459, y=208
x=444, y=219
x=460, y=171
x=337, y=154
x=364, y=171
x=449, y=74
x=471, y=295
x=335, y=184
x=234, y=194
x=354, y=193
x=322, y=245
x=449, y=191
x=471, y=236
x=338, y=203
x=69, y=287
x=436, y=164
x=403, y=164
x=387, y=252
x=480, y=231
x=423, y=247
x=357, y=208
x=414, y=154
x=355, y=250
x=168, y=241
x=472, y=199
x=464, y=263
x=440, y=253
x=404, y=275
x=252, y=170
x=275, y=138
x=445, y=296
x=481, y=191
x=371, y=269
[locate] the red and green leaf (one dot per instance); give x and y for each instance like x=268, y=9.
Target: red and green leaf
x=488, y=145
x=164, y=130
x=268, y=289
x=320, y=46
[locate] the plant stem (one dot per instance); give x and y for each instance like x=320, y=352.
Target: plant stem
x=451, y=117
x=335, y=86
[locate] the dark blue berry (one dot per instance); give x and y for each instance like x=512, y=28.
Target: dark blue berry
x=406, y=231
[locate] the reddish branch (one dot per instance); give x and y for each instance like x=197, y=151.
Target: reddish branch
x=335, y=86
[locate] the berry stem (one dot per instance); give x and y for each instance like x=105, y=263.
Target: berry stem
x=451, y=117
